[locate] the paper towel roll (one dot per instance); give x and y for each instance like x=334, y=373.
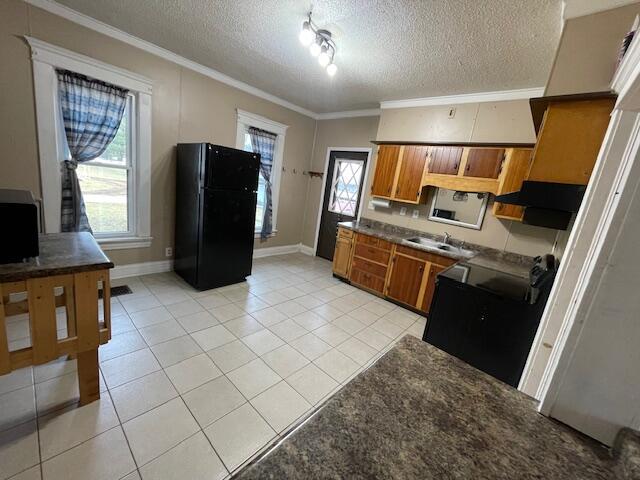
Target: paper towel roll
x=380, y=202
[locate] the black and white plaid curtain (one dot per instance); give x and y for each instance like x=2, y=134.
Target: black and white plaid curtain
x=264, y=143
x=91, y=112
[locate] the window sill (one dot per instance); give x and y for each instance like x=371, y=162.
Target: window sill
x=123, y=243
x=273, y=234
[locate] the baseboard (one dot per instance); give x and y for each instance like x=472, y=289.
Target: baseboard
x=146, y=268
x=271, y=251
x=307, y=250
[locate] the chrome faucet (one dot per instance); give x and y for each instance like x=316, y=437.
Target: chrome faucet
x=447, y=236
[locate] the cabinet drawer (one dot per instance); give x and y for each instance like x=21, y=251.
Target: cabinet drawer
x=367, y=280
x=373, y=241
x=372, y=253
x=429, y=257
x=345, y=233
x=369, y=267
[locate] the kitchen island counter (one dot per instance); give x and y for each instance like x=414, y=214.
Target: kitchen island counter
x=421, y=413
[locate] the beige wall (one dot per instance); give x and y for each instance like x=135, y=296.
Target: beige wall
x=586, y=57
x=340, y=133
x=481, y=122
x=186, y=107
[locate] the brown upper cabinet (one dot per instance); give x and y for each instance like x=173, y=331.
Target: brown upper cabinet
x=569, y=138
x=409, y=183
x=484, y=162
x=445, y=160
x=515, y=169
x=385, y=174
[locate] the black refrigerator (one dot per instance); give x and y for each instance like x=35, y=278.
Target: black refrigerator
x=216, y=192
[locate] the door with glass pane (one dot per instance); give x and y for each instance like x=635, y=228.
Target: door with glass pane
x=342, y=195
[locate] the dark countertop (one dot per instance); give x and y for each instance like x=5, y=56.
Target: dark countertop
x=507, y=262
x=420, y=413
x=60, y=253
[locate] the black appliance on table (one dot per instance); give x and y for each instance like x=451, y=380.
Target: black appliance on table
x=216, y=193
x=19, y=213
x=489, y=318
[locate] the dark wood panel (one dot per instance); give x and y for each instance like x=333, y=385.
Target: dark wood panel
x=367, y=280
x=431, y=287
x=373, y=241
x=421, y=254
x=410, y=177
x=385, y=172
x=484, y=162
x=405, y=279
x=369, y=267
x=372, y=253
x=445, y=160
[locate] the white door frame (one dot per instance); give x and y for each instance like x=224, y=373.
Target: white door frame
x=587, y=250
x=368, y=151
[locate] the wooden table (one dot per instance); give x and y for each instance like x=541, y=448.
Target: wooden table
x=69, y=273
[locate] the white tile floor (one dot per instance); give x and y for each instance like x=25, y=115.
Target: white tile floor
x=194, y=384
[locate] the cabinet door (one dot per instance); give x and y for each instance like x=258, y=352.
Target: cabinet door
x=515, y=170
x=484, y=162
x=342, y=255
x=410, y=176
x=434, y=270
x=445, y=160
x=386, y=164
x=405, y=279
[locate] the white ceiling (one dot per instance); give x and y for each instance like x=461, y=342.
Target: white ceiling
x=387, y=49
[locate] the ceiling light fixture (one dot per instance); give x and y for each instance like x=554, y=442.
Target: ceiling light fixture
x=320, y=44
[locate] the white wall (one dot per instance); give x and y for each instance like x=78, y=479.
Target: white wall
x=600, y=390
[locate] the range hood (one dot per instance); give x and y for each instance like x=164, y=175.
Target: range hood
x=546, y=204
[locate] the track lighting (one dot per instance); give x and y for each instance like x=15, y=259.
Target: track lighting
x=320, y=44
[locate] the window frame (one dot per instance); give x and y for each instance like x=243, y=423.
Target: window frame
x=46, y=58
x=246, y=120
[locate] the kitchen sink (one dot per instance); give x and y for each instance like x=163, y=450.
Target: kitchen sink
x=445, y=247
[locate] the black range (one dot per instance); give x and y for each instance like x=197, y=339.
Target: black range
x=489, y=318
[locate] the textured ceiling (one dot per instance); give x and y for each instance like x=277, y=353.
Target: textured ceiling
x=387, y=49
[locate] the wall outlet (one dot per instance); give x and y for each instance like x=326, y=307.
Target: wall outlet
x=168, y=252
x=403, y=211
x=415, y=214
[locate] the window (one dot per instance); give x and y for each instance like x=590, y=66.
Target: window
x=345, y=186
x=107, y=182
x=262, y=185
x=243, y=142
x=116, y=186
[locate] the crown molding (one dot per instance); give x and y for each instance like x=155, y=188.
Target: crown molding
x=581, y=8
x=105, y=29
x=372, y=112
x=499, y=96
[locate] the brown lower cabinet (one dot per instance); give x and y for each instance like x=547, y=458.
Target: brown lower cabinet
x=403, y=274
x=405, y=279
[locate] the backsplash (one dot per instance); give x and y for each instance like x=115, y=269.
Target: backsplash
x=495, y=233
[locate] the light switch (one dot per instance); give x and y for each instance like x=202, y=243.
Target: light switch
x=415, y=214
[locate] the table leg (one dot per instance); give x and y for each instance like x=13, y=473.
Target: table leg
x=88, y=376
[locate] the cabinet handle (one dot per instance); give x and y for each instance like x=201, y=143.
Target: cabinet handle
x=468, y=167
x=389, y=190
